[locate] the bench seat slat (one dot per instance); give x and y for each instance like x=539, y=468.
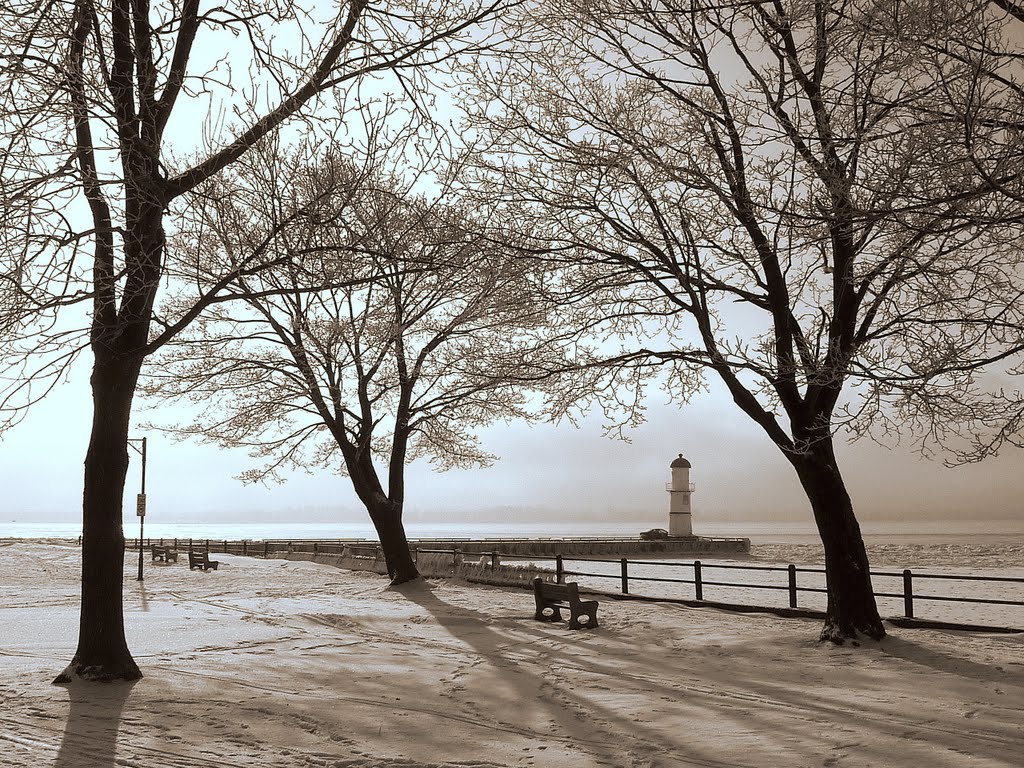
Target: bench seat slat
x=201, y=560
x=163, y=553
x=553, y=597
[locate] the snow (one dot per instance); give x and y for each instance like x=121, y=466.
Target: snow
x=299, y=664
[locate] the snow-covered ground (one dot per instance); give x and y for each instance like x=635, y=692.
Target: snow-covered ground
x=290, y=664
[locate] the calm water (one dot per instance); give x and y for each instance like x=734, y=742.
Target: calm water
x=930, y=532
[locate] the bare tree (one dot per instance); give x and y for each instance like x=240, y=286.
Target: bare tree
x=111, y=113
x=819, y=203
x=432, y=330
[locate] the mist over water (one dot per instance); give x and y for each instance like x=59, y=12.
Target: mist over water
x=875, y=532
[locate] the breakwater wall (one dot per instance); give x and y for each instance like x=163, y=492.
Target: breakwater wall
x=519, y=548
x=474, y=548
x=592, y=547
x=480, y=570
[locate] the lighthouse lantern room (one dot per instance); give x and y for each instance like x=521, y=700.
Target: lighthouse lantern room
x=679, y=490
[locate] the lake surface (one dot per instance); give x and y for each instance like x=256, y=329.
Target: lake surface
x=757, y=532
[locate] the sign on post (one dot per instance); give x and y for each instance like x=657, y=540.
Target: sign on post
x=140, y=505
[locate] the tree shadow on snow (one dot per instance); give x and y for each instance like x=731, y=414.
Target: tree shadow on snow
x=90, y=735
x=503, y=641
x=951, y=664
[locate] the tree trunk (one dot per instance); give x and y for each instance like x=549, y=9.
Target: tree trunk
x=387, y=519
x=852, y=610
x=102, y=652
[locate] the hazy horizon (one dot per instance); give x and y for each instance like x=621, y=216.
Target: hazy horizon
x=546, y=473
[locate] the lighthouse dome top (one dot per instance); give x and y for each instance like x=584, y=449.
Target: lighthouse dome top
x=680, y=462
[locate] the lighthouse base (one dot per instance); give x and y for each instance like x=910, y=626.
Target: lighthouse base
x=680, y=524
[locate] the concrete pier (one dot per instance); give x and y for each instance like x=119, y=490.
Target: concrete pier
x=596, y=547
x=673, y=546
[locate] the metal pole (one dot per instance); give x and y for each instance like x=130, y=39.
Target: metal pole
x=792, y=586
x=142, y=517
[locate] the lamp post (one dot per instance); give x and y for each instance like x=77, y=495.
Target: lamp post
x=140, y=503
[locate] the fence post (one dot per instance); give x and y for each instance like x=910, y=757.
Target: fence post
x=175, y=542
x=908, y=594
x=207, y=545
x=266, y=548
x=455, y=560
x=559, y=575
x=698, y=587
x=494, y=560
x=161, y=542
x=792, y=586
x=625, y=577
x=316, y=548
x=190, y=545
x=225, y=545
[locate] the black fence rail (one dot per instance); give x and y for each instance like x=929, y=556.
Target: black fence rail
x=722, y=580
x=701, y=576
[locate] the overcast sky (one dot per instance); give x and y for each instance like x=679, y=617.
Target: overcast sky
x=547, y=472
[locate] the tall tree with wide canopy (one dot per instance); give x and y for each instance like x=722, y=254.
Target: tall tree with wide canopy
x=430, y=328
x=112, y=112
x=817, y=202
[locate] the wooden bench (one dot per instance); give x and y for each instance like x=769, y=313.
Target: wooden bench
x=201, y=560
x=554, y=597
x=164, y=553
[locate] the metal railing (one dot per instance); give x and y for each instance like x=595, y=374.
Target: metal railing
x=630, y=572
x=697, y=577
x=690, y=487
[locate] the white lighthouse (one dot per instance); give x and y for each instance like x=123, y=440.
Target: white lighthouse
x=679, y=490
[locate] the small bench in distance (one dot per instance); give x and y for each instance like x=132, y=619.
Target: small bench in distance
x=164, y=553
x=201, y=560
x=553, y=597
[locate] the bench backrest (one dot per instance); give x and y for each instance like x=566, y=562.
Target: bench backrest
x=568, y=591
